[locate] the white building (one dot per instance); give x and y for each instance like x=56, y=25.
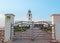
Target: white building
x=25, y=23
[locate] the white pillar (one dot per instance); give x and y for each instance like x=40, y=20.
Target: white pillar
x=56, y=28
x=9, y=21
x=53, y=28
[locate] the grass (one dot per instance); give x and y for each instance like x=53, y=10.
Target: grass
x=20, y=29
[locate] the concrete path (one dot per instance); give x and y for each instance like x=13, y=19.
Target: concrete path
x=30, y=41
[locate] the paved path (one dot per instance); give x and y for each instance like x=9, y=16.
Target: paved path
x=30, y=41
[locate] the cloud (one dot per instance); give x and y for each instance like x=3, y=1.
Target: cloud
x=2, y=20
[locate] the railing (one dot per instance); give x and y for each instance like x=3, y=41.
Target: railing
x=35, y=35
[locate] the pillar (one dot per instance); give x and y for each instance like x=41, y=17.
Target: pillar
x=56, y=27
x=53, y=28
x=9, y=21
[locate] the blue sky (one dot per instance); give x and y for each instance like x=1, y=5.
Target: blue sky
x=40, y=9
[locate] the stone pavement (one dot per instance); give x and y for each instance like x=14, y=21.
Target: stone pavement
x=30, y=41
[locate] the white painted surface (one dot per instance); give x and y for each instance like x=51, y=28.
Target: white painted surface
x=53, y=29
x=56, y=21
x=8, y=30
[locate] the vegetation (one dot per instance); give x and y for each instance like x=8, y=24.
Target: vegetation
x=49, y=28
x=8, y=17
x=20, y=29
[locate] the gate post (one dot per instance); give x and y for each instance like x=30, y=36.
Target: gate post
x=9, y=21
x=56, y=27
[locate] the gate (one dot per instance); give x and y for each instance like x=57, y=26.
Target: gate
x=33, y=34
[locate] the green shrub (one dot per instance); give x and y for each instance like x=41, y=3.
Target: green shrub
x=21, y=29
x=49, y=28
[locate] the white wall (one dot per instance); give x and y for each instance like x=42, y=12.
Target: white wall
x=8, y=29
x=56, y=22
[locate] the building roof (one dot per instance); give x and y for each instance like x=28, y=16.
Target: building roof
x=9, y=14
x=29, y=11
x=55, y=15
x=2, y=28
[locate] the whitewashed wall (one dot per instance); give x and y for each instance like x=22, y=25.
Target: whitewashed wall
x=8, y=29
x=56, y=22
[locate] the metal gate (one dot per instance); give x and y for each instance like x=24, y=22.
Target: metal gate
x=34, y=33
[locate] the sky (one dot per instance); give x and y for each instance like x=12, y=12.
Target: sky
x=40, y=9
